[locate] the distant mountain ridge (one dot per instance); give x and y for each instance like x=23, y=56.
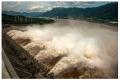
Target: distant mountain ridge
x=31, y=14
x=105, y=12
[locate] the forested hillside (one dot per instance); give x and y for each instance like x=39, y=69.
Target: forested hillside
x=24, y=20
x=106, y=12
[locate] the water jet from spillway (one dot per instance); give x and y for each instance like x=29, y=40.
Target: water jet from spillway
x=86, y=46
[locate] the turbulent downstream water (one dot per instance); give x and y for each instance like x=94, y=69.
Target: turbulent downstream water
x=79, y=44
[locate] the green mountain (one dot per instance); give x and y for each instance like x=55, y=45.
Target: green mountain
x=15, y=19
x=105, y=12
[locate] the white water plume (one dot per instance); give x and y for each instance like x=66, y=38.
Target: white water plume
x=86, y=43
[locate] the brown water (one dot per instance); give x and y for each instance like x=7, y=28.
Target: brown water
x=80, y=44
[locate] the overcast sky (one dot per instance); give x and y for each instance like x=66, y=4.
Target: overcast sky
x=45, y=6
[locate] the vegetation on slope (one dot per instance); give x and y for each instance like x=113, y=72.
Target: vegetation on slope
x=108, y=12
x=10, y=19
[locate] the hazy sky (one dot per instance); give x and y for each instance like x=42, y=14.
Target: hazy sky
x=45, y=6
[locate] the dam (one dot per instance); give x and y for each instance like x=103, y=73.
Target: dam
x=64, y=49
